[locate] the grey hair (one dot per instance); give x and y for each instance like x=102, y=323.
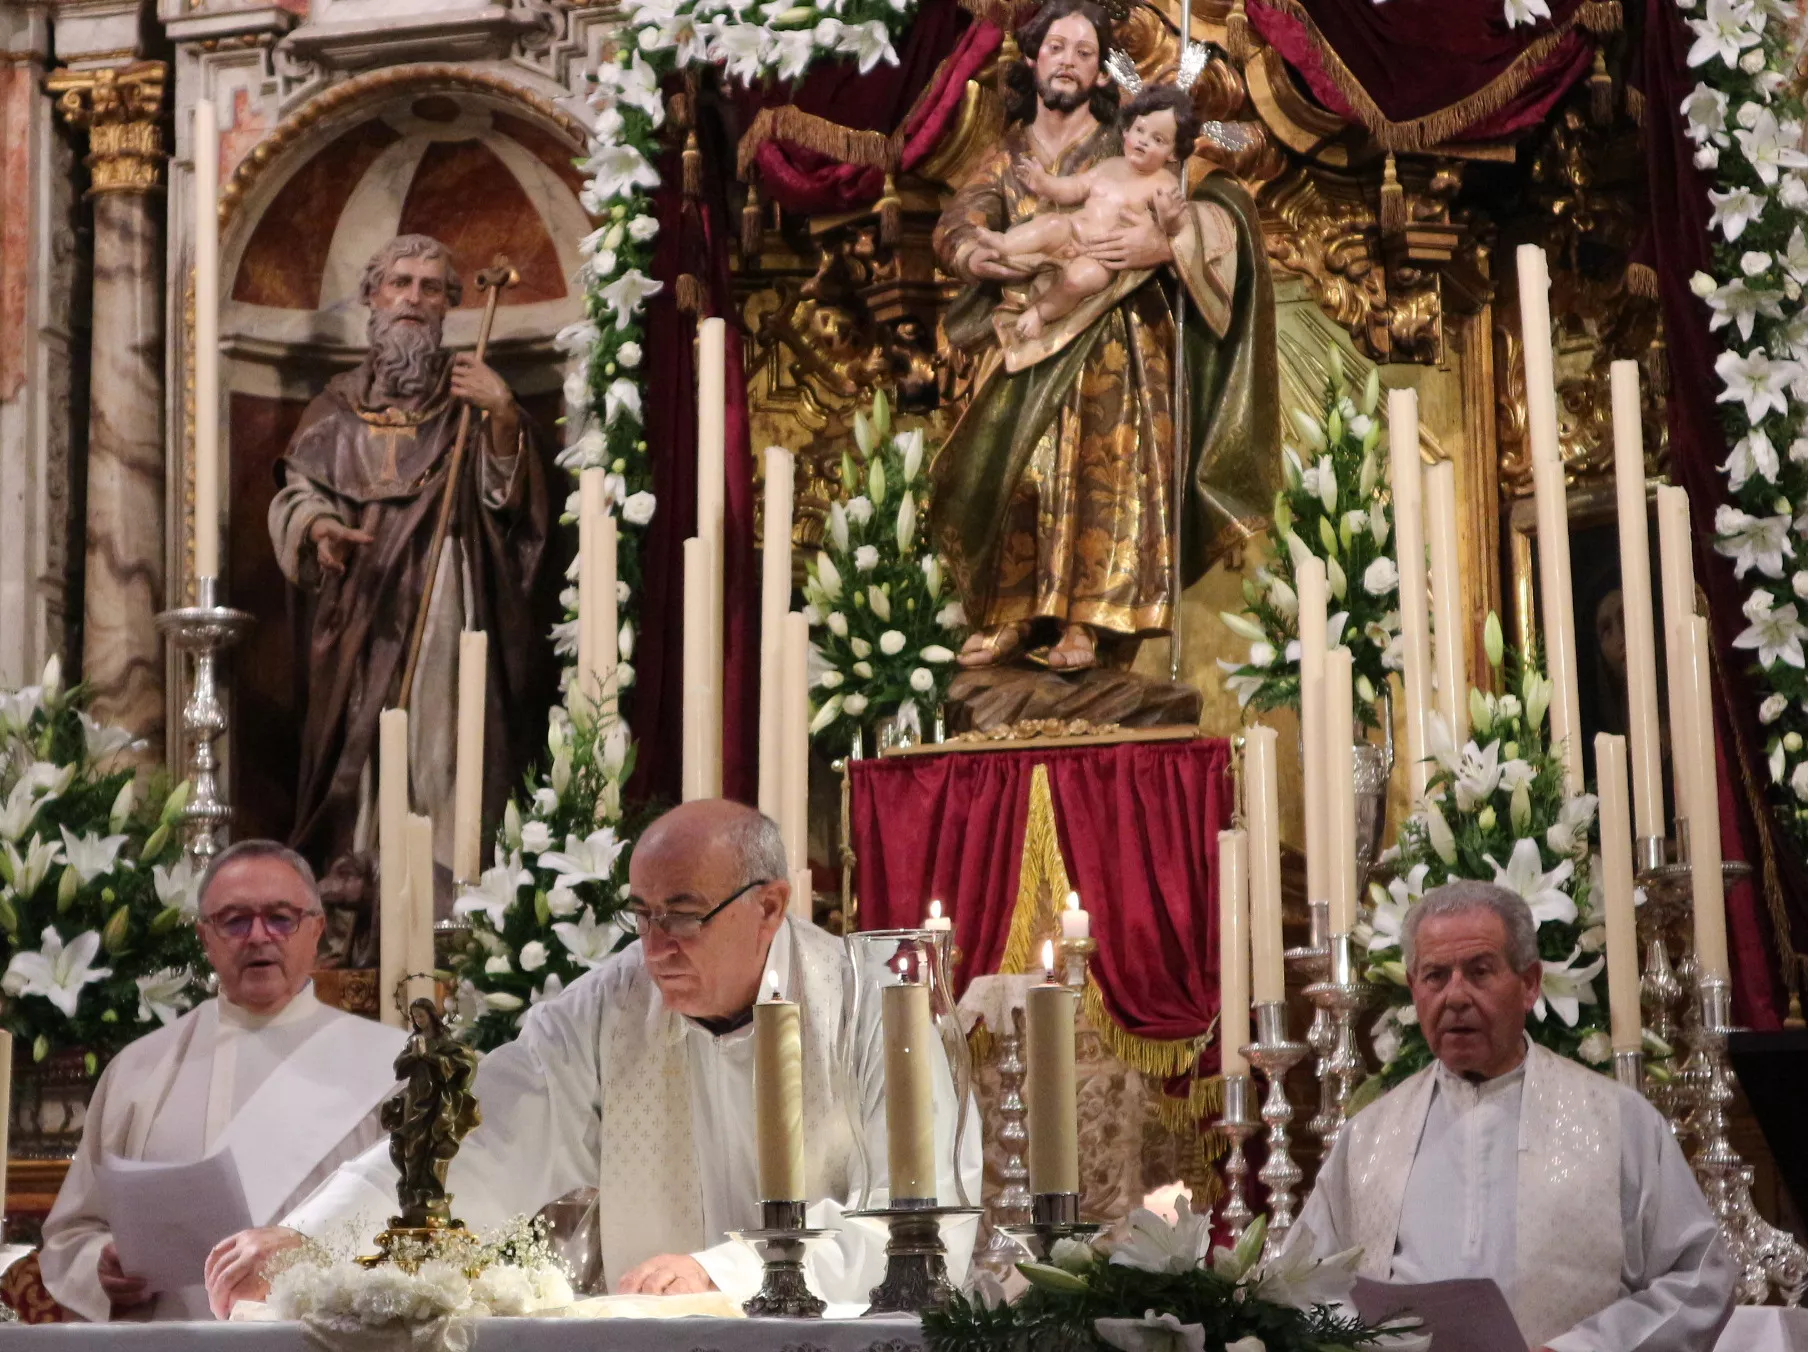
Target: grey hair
x=758, y=847
x=258, y=849
x=1471, y=894
x=408, y=246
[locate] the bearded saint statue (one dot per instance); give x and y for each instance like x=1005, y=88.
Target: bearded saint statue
x=1054, y=493
x=352, y=525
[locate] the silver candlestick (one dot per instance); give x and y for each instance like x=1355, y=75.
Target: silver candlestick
x=1342, y=995
x=1629, y=1069
x=204, y=629
x=1011, y=1207
x=1767, y=1257
x=781, y=1242
x=1309, y=964
x=1054, y=1216
x=916, y=1260
x=1237, y=1126
x=1274, y=1054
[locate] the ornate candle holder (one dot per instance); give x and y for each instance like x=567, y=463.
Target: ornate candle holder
x=204, y=629
x=916, y=1260
x=1054, y=1216
x=1766, y=1256
x=1340, y=996
x=1310, y=964
x=1010, y=1209
x=1237, y=1127
x=1274, y=1054
x=1075, y=955
x=781, y=1242
x=1629, y=1069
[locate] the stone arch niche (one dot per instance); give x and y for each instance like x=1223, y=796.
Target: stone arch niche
x=464, y=156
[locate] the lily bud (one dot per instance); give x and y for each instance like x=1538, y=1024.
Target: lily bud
x=67, y=886
x=154, y=843
x=113, y=938
x=175, y=803
x=1371, y=391
x=1493, y=641
x=881, y=413
x=863, y=434
x=122, y=805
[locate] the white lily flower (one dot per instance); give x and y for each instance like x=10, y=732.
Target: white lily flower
x=1566, y=988
x=634, y=83
x=1320, y=481
x=1705, y=112
x=1293, y=1277
x=1154, y=1332
x=1517, y=12
x=30, y=869
x=742, y=49
x=622, y=396
x=1776, y=633
x=1760, y=542
x=591, y=859
x=626, y=293
x=176, y=885
x=1752, y=454
x=1756, y=381
x=868, y=43
x=1569, y=833
x=165, y=994
x=102, y=743
x=89, y=855
x=494, y=895
x=616, y=171
x=1771, y=146
x=588, y=942
x=56, y=972
x=1543, y=892
x=1733, y=210
x=1477, y=776
x=1152, y=1244
x=1730, y=26
x=21, y=806
x=1241, y=684
x=1741, y=304
x=792, y=51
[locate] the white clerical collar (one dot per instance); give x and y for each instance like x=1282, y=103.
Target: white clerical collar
x=303, y=1003
x=1473, y=1091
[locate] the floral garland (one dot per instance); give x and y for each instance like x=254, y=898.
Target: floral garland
x=1331, y=506
x=97, y=901
x=875, y=592
x=1496, y=810
x=1745, y=118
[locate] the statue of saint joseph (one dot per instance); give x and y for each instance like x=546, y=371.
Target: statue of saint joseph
x=1054, y=492
x=352, y=525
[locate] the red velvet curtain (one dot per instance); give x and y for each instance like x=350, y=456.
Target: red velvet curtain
x=1138, y=825
x=1698, y=445
x=1421, y=72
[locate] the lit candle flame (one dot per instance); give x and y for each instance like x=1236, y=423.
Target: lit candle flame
x=1048, y=957
x=1073, y=901
x=772, y=986
x=935, y=910
x=903, y=967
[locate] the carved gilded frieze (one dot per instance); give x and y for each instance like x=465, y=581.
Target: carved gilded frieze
x=119, y=108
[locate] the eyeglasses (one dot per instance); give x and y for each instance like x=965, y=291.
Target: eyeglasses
x=683, y=925
x=280, y=923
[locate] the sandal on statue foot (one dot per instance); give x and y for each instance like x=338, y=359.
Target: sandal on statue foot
x=1077, y=650
x=991, y=646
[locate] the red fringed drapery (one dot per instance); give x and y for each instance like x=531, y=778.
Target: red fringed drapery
x=1136, y=826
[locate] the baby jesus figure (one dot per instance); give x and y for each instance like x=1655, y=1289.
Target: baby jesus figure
x=1110, y=195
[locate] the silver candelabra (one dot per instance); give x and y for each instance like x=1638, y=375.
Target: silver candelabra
x=1238, y=1126
x=1274, y=1054
x=1310, y=964
x=204, y=629
x=1340, y=996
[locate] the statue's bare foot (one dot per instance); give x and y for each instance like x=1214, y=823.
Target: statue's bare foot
x=1075, y=652
x=991, y=239
x=988, y=647
x=1029, y=324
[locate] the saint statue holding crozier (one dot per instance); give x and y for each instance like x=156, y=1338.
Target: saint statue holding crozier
x=352, y=524
x=1055, y=492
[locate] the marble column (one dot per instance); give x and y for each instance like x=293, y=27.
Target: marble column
x=122, y=653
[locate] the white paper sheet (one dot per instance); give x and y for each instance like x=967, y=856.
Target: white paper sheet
x=167, y=1217
x=1466, y=1315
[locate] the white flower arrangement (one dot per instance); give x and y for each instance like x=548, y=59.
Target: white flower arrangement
x=1746, y=118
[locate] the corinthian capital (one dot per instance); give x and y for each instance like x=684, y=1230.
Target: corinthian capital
x=118, y=106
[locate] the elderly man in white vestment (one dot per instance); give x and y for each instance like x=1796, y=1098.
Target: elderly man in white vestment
x=1507, y=1161
x=288, y=1085
x=638, y=1080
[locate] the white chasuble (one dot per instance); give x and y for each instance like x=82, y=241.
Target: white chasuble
x=605, y=1087
x=1553, y=1181
x=291, y=1096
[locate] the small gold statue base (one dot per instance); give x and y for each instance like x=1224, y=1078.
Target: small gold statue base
x=408, y=1245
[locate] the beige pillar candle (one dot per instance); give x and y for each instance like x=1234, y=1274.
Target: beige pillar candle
x=392, y=859
x=1704, y=812
x=1448, y=627
x=1540, y=365
x=1557, y=617
x=909, y=1079
x=695, y=774
x=712, y=489
x=605, y=637
x=1050, y=1089
x=1268, y=976
x=592, y=494
x=467, y=791
x=778, y=1097
x=802, y=904
x=794, y=748
x=207, y=340
x=6, y=1110
x=1409, y=559
x=775, y=604
x=1233, y=951
x=1314, y=612
x=1616, y=885
x=1676, y=565
x=1340, y=788
x=419, y=923
x=1646, y=758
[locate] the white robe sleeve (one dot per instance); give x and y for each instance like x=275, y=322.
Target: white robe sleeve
x=77, y=1229
x=1678, y=1277
x=540, y=1097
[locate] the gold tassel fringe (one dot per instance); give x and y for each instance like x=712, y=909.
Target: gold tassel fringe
x=1600, y=92
x=891, y=215
x=1393, y=199
x=690, y=294
x=1236, y=34
x=1181, y=1115
x=1002, y=13
x=1602, y=16
x=1152, y=1057
x=1635, y=105
x=1641, y=280
x=1041, y=879
x=844, y=145
x=693, y=166
x=1008, y=56
x=753, y=222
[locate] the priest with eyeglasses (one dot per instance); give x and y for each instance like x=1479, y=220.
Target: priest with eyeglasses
x=637, y=1080
x=287, y=1087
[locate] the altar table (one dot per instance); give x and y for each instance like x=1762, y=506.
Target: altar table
x=497, y=1335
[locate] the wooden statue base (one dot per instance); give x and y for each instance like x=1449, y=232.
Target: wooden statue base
x=994, y=697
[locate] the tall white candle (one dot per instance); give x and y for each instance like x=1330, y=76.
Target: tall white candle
x=6, y=1107
x=1635, y=595
x=1558, y=617
x=712, y=489
x=392, y=859
x=592, y=495
x=775, y=603
x=467, y=792
x=1314, y=608
x=1053, y=1116
x=1704, y=811
x=1540, y=365
x=909, y=1087
x=1233, y=951
x=207, y=340
x=1076, y=923
x=1409, y=559
x=794, y=753
x=1450, y=631
x=1340, y=785
x=1616, y=884
x=1677, y=566
x=698, y=771
x=778, y=1097
x=419, y=947
x=1267, y=973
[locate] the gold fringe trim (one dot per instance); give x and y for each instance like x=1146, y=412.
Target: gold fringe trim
x=1641, y=280
x=689, y=293
x=1151, y=1056
x=1433, y=128
x=692, y=162
x=842, y=144
x=1002, y=13
x=1602, y=16
x=1042, y=878
x=1180, y=1115
x=1600, y=92
x=1635, y=105
x=1392, y=217
x=1237, y=37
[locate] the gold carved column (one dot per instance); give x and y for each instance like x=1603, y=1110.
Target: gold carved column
x=122, y=654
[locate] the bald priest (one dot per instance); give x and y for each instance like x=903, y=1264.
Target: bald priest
x=290, y=1087
x=1507, y=1161
x=637, y=1080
